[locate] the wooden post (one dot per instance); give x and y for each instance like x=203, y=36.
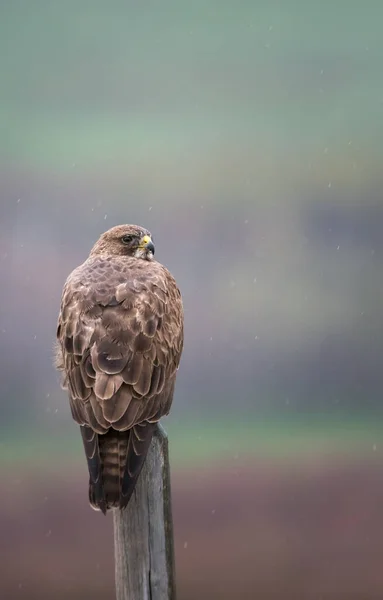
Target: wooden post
x=143, y=532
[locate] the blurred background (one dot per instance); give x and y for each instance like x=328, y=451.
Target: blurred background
x=248, y=137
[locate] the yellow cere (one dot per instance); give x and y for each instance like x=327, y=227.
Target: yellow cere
x=145, y=240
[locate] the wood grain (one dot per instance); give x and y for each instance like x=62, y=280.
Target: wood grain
x=143, y=532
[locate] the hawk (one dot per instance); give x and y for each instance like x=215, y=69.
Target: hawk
x=119, y=344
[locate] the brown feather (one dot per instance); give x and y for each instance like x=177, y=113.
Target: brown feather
x=79, y=388
x=107, y=385
x=78, y=411
x=95, y=405
x=154, y=387
x=150, y=327
x=111, y=366
x=94, y=419
x=138, y=447
x=132, y=371
x=90, y=371
x=143, y=384
x=115, y=407
x=68, y=344
x=88, y=380
x=129, y=417
x=142, y=343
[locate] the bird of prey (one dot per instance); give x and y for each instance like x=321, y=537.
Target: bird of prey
x=119, y=344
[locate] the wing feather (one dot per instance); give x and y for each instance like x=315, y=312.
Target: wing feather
x=132, y=372
x=115, y=407
x=130, y=416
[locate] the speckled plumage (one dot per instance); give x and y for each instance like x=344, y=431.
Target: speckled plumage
x=120, y=339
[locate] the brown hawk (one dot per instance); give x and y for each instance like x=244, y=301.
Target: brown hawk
x=119, y=344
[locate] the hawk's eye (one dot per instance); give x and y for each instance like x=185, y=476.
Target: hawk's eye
x=126, y=239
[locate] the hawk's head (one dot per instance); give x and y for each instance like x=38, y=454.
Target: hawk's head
x=125, y=240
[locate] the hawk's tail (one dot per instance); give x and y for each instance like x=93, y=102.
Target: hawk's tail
x=115, y=460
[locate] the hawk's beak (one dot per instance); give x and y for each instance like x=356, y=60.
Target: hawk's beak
x=147, y=243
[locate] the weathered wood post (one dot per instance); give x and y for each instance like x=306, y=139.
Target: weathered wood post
x=143, y=532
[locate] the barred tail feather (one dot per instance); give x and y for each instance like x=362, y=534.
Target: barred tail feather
x=115, y=460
